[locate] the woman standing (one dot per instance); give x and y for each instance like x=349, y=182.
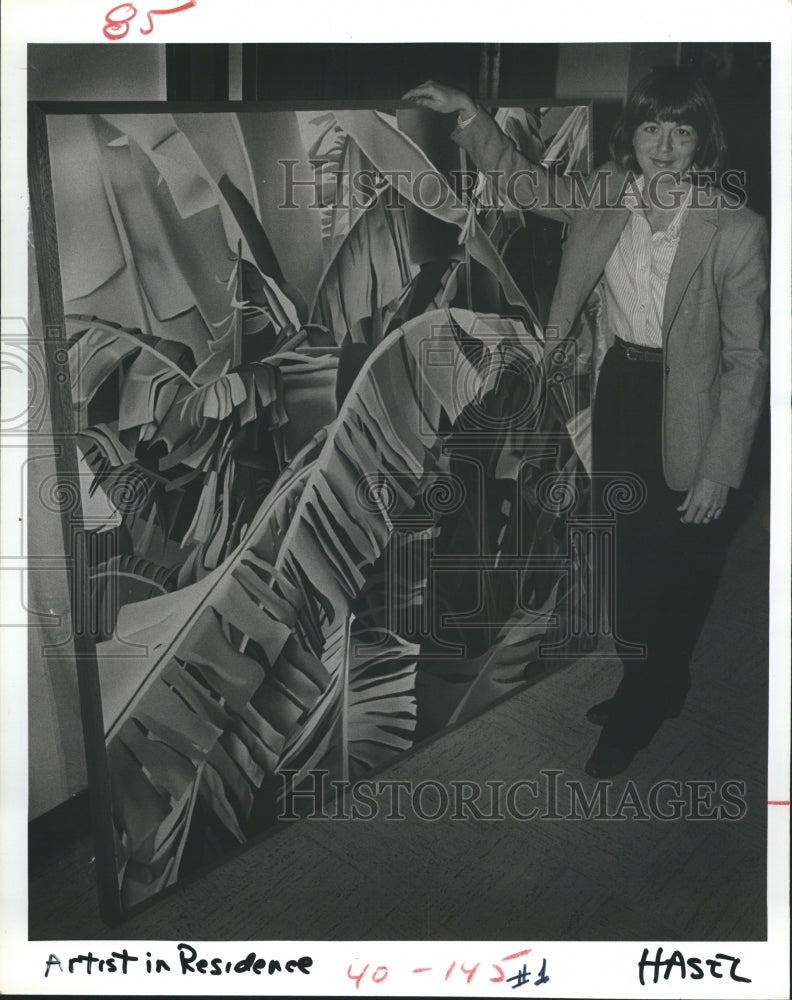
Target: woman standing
x=681, y=366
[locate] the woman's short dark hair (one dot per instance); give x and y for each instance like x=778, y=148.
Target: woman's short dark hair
x=671, y=95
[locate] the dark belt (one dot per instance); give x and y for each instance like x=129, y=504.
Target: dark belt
x=633, y=352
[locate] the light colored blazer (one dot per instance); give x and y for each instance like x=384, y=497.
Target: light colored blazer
x=715, y=317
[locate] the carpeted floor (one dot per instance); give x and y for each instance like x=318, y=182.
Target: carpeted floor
x=542, y=878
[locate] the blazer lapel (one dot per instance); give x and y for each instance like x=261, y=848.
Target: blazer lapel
x=698, y=230
x=604, y=236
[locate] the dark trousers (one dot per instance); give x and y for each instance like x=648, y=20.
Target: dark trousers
x=665, y=571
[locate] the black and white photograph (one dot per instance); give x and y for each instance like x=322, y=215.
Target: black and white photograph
x=400, y=505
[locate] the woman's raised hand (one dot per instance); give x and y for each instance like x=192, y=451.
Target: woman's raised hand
x=436, y=97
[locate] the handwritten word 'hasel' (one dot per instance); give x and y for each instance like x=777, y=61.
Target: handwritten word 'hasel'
x=684, y=966
x=117, y=20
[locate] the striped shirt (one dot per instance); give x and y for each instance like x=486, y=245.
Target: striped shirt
x=636, y=274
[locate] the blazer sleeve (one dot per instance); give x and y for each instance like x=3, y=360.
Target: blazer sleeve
x=521, y=183
x=744, y=325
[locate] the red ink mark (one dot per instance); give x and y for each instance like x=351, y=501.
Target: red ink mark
x=357, y=978
x=171, y=10
x=770, y=802
x=118, y=27
x=380, y=974
x=469, y=973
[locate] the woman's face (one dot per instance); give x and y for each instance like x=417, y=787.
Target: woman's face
x=664, y=146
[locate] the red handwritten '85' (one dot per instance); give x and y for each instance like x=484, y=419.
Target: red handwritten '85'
x=117, y=20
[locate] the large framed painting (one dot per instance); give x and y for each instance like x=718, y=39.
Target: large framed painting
x=301, y=383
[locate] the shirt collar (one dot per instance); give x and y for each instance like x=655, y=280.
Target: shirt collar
x=633, y=200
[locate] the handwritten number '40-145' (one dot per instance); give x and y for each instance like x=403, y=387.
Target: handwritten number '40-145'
x=117, y=20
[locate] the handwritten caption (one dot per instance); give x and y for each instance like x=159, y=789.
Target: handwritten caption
x=187, y=961
x=458, y=971
x=534, y=972
x=118, y=19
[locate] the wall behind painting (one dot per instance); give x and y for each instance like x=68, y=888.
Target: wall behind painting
x=105, y=72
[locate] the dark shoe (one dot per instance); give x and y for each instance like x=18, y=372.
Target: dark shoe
x=604, y=711
x=609, y=760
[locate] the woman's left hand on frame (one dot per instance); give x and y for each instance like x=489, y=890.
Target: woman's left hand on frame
x=704, y=502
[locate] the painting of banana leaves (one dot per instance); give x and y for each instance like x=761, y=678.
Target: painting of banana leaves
x=305, y=351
